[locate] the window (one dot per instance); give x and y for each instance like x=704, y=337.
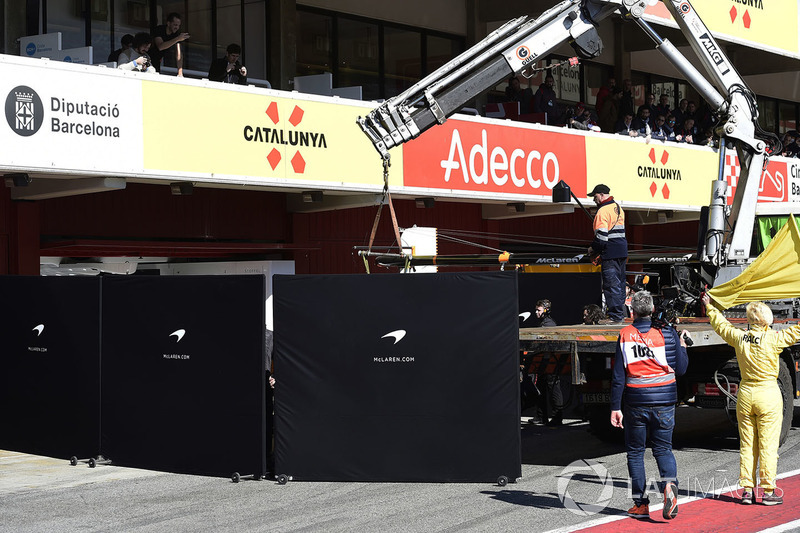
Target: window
x=787, y=116
x=314, y=43
x=595, y=76
x=402, y=60
x=67, y=17
x=358, y=60
x=195, y=20
x=384, y=59
x=255, y=45
x=440, y=50
x=229, y=25
x=101, y=30
x=767, y=113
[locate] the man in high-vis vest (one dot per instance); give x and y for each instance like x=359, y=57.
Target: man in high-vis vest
x=611, y=246
x=645, y=367
x=759, y=403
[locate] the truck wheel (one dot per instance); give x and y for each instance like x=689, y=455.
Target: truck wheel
x=785, y=385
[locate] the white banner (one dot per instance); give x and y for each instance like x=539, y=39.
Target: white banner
x=62, y=118
x=44, y=45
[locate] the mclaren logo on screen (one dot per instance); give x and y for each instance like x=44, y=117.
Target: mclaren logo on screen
x=390, y=356
x=178, y=334
x=24, y=111
x=37, y=330
x=525, y=316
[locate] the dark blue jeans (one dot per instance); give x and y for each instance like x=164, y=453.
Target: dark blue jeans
x=658, y=422
x=613, y=273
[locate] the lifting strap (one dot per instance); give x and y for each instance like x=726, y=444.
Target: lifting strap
x=387, y=198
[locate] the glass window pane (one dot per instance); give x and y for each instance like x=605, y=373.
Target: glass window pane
x=441, y=50
x=254, y=49
x=67, y=18
x=595, y=76
x=787, y=111
x=639, y=89
x=195, y=20
x=402, y=51
x=314, y=37
x=766, y=113
x=664, y=87
x=229, y=25
x=101, y=30
x=357, y=63
x=130, y=17
x=567, y=78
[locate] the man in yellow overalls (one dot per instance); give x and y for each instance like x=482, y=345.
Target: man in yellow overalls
x=759, y=404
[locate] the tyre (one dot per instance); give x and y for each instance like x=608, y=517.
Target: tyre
x=235, y=477
x=502, y=481
x=73, y=461
x=283, y=479
x=92, y=463
x=787, y=392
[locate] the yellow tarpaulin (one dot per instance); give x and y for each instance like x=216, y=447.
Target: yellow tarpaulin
x=774, y=275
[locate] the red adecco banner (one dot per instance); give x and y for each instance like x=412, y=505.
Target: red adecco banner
x=468, y=156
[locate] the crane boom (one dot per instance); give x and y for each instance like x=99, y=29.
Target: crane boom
x=515, y=48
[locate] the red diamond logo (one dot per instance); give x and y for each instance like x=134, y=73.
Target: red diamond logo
x=733, y=14
x=664, y=157
x=298, y=163
x=653, y=155
x=274, y=158
x=653, y=189
x=272, y=112
x=665, y=192
x=746, y=19
x=297, y=116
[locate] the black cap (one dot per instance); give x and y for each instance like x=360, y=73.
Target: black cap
x=599, y=189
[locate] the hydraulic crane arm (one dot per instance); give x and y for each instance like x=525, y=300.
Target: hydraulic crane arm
x=508, y=50
x=519, y=44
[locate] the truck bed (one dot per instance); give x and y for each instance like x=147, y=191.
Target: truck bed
x=602, y=338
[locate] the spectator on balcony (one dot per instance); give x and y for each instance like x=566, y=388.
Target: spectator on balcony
x=625, y=126
x=687, y=133
x=582, y=119
x=229, y=69
x=642, y=122
x=650, y=104
x=515, y=93
x=125, y=42
x=627, y=103
x=680, y=112
x=165, y=37
x=544, y=101
x=660, y=130
x=604, y=92
x=790, y=146
x=135, y=57
x=663, y=106
x=607, y=115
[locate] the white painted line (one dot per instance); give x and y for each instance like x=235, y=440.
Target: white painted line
x=685, y=499
x=789, y=526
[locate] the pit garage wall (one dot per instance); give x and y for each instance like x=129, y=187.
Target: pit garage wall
x=19, y=235
x=144, y=216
